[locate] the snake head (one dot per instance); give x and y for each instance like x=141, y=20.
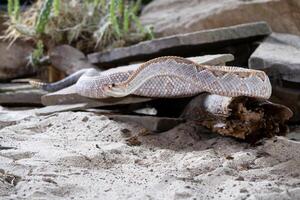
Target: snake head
x=107, y=87
x=115, y=90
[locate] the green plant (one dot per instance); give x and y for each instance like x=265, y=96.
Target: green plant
x=86, y=24
x=43, y=16
x=56, y=7
x=37, y=54
x=13, y=9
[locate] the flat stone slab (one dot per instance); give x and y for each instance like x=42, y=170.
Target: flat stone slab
x=195, y=42
x=9, y=87
x=48, y=110
x=69, y=96
x=279, y=56
x=20, y=94
x=217, y=59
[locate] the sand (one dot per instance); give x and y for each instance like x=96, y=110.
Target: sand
x=82, y=155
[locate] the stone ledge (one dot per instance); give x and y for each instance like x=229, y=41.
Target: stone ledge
x=183, y=44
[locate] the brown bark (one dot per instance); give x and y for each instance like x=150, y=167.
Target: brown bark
x=241, y=117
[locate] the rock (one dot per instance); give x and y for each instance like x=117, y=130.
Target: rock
x=12, y=117
x=25, y=97
x=20, y=94
x=294, y=134
x=68, y=59
x=171, y=17
x=218, y=59
x=14, y=60
x=48, y=110
x=288, y=97
x=197, y=43
x=13, y=87
x=69, y=96
x=153, y=124
x=279, y=56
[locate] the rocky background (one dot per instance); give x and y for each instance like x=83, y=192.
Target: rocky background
x=176, y=16
x=64, y=146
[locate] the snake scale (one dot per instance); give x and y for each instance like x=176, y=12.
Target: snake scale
x=167, y=77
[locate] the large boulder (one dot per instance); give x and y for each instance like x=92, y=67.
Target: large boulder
x=14, y=60
x=171, y=17
x=68, y=59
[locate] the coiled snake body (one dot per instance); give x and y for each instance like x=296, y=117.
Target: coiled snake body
x=170, y=77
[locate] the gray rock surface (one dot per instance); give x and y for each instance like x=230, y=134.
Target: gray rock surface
x=68, y=59
x=279, y=56
x=218, y=59
x=14, y=60
x=288, y=97
x=48, y=110
x=171, y=17
x=294, y=134
x=183, y=44
x=22, y=94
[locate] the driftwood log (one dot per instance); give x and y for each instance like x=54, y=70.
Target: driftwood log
x=241, y=117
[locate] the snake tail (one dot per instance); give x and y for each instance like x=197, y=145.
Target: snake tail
x=52, y=87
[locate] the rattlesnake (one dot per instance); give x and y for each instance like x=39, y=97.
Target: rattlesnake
x=167, y=77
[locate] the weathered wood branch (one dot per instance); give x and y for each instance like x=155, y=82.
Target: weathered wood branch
x=241, y=117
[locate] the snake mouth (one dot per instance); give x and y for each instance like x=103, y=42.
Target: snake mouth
x=115, y=90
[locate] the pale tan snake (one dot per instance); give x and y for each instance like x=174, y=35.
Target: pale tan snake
x=170, y=77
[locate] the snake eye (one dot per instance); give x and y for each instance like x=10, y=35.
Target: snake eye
x=113, y=85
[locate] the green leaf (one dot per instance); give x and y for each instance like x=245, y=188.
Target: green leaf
x=137, y=7
x=126, y=19
x=10, y=5
x=121, y=8
x=149, y=32
x=114, y=19
x=56, y=7
x=16, y=9
x=43, y=16
x=37, y=53
x=137, y=22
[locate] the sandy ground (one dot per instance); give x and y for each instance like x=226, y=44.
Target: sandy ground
x=81, y=155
